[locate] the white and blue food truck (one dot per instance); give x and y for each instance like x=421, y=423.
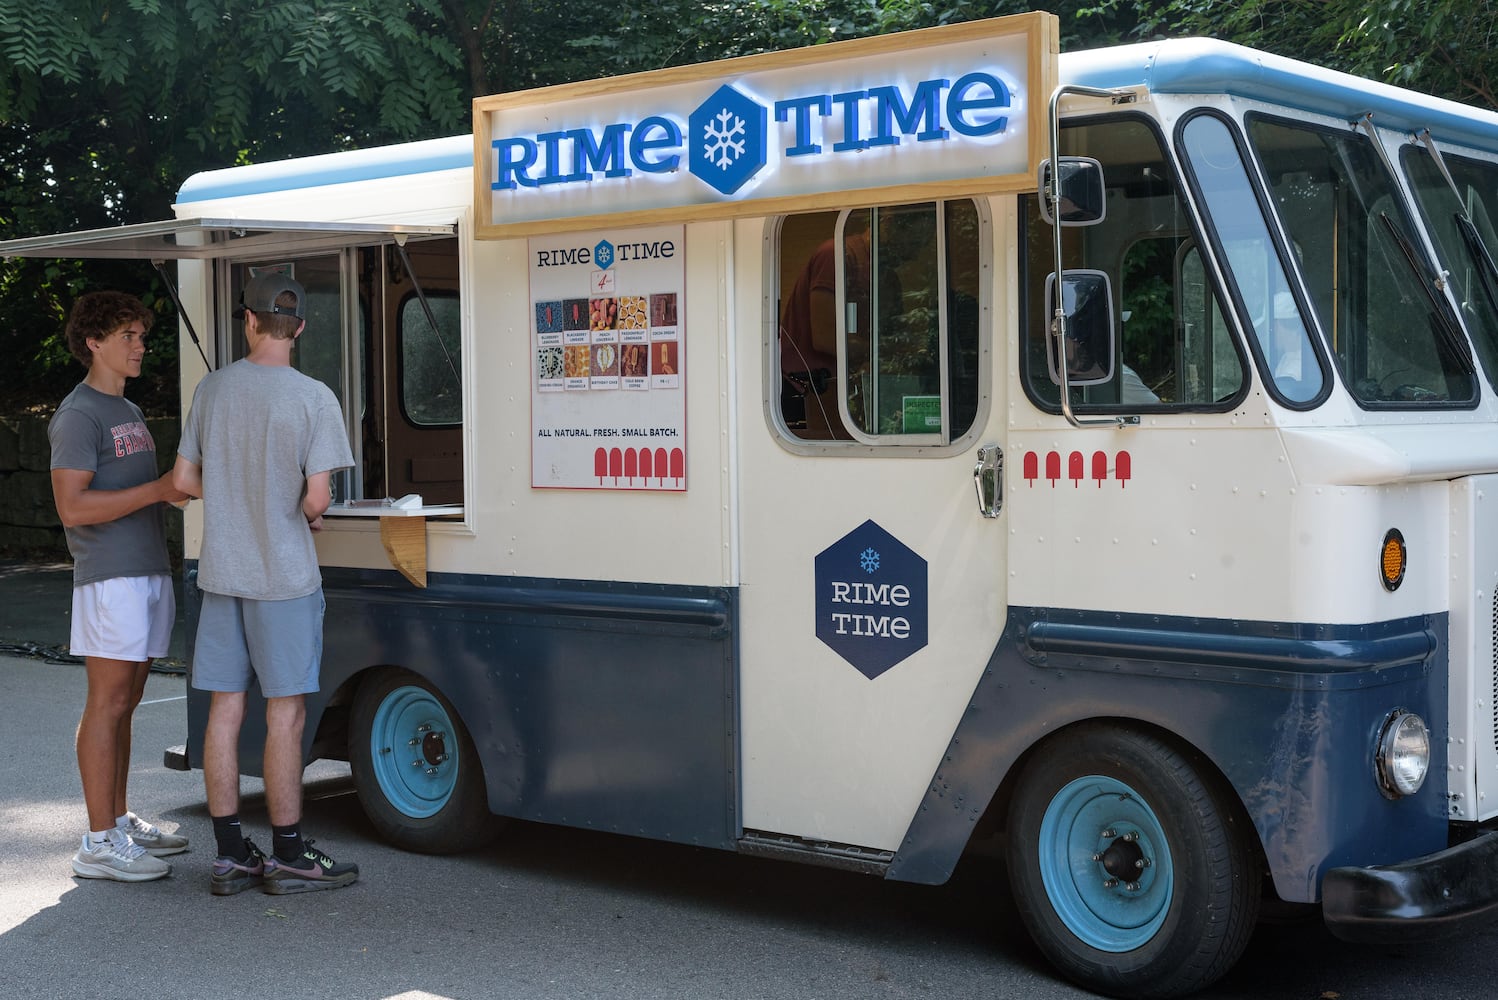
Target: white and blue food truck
x=854, y=453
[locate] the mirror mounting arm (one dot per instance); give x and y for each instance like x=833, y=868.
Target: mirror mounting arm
x=1058, y=320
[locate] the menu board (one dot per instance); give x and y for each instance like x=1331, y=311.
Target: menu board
x=608, y=350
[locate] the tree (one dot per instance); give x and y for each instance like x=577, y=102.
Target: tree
x=1440, y=47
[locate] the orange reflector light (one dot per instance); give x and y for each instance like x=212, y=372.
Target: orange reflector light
x=1392, y=560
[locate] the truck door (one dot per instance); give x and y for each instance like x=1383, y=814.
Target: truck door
x=415, y=417
x=872, y=576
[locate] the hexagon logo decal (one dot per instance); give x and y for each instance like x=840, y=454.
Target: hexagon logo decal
x=726, y=136
x=603, y=254
x=872, y=603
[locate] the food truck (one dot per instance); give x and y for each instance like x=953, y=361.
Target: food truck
x=854, y=454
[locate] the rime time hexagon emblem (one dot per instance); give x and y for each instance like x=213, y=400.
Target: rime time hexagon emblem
x=727, y=136
x=872, y=599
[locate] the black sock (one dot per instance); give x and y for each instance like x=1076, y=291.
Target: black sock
x=286, y=841
x=230, y=838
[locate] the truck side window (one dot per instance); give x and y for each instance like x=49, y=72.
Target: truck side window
x=878, y=337
x=1173, y=347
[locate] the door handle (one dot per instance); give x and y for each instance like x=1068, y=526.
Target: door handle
x=988, y=480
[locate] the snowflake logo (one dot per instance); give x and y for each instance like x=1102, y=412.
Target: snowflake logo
x=603, y=254
x=729, y=137
x=725, y=139
x=869, y=560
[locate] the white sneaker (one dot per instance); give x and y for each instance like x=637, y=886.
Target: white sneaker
x=118, y=858
x=152, y=838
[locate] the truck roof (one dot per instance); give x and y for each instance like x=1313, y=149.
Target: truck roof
x=1175, y=66
x=1209, y=66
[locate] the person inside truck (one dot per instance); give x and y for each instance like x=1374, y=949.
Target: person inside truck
x=1285, y=340
x=109, y=497
x=808, y=319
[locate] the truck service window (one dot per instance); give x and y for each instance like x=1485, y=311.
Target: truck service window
x=879, y=324
x=1174, y=348
x=399, y=381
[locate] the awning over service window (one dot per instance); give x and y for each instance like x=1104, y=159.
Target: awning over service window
x=207, y=239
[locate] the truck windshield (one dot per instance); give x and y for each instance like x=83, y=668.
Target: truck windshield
x=1459, y=218
x=1388, y=326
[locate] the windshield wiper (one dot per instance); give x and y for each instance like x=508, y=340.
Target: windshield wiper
x=1446, y=329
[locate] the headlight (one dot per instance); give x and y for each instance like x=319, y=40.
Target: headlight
x=1403, y=754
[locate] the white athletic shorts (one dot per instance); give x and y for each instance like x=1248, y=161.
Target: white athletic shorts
x=124, y=618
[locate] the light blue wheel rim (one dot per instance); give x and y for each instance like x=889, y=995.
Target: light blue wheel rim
x=1111, y=902
x=415, y=752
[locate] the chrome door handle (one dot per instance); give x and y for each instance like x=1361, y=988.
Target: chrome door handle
x=988, y=480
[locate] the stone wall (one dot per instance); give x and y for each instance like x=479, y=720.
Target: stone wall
x=29, y=527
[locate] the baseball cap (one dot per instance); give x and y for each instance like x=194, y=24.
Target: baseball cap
x=260, y=293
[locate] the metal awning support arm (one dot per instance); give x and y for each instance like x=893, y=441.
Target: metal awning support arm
x=171, y=290
x=400, y=248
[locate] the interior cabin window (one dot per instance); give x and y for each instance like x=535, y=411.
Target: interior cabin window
x=431, y=359
x=399, y=381
x=1392, y=333
x=880, y=313
x=1174, y=349
x=1459, y=215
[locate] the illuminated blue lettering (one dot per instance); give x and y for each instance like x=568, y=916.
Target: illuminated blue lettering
x=551, y=142
x=590, y=155
x=892, y=110
x=959, y=104
x=850, y=101
x=652, y=134
x=798, y=111
x=515, y=157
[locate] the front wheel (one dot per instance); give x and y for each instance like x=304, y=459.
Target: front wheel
x=415, y=767
x=1129, y=865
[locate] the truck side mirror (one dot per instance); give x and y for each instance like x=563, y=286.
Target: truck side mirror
x=1079, y=184
x=1090, y=340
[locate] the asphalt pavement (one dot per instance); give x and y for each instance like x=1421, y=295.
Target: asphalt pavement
x=544, y=913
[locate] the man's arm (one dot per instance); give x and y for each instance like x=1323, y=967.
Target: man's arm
x=187, y=476
x=318, y=498
x=77, y=505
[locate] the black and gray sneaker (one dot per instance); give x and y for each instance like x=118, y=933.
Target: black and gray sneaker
x=231, y=875
x=312, y=871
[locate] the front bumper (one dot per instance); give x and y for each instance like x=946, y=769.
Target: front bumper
x=1422, y=898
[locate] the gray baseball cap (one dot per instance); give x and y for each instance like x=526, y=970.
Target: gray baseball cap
x=260, y=294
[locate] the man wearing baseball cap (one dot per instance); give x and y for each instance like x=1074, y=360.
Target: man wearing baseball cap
x=260, y=445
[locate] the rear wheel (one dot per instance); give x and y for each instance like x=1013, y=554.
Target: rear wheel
x=1129, y=865
x=415, y=767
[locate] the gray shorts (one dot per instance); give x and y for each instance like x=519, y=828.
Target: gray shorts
x=278, y=642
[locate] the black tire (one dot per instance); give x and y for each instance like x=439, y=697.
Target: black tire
x=1131, y=868
x=415, y=768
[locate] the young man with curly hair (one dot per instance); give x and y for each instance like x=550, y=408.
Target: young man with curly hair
x=110, y=500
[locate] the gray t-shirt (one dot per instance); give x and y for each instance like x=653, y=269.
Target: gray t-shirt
x=93, y=431
x=258, y=432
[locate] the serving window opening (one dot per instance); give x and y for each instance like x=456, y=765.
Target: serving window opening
x=394, y=362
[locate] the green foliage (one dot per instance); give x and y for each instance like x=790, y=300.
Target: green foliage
x=107, y=106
